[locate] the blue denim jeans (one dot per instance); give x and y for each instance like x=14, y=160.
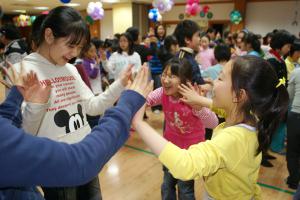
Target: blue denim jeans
x=20, y=193
x=168, y=188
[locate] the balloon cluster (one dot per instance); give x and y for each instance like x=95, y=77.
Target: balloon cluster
x=95, y=10
x=235, y=17
x=192, y=7
x=163, y=5
x=205, y=11
x=24, y=20
x=154, y=15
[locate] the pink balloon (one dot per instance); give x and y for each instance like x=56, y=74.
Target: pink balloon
x=192, y=1
x=195, y=8
x=188, y=8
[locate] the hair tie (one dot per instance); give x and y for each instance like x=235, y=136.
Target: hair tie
x=281, y=82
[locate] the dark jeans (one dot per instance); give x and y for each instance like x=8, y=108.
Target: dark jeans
x=168, y=187
x=293, y=149
x=89, y=191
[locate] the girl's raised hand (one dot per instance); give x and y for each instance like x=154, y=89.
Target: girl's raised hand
x=192, y=96
x=141, y=83
x=125, y=75
x=32, y=91
x=28, y=84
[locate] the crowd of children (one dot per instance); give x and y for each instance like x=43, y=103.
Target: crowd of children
x=199, y=78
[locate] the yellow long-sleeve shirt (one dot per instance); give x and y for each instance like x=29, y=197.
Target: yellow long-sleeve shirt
x=228, y=163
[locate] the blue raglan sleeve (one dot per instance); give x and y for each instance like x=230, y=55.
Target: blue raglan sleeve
x=11, y=107
x=27, y=160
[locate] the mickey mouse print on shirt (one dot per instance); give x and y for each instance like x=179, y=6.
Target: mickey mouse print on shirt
x=72, y=122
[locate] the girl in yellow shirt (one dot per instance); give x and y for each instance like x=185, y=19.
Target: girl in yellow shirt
x=254, y=101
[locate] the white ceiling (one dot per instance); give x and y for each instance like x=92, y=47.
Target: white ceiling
x=10, y=6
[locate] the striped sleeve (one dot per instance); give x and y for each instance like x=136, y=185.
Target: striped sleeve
x=154, y=98
x=208, y=117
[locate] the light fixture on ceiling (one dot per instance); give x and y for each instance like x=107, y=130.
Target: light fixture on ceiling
x=19, y=11
x=110, y=1
x=41, y=8
x=72, y=4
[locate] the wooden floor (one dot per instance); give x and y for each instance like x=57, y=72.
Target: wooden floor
x=134, y=173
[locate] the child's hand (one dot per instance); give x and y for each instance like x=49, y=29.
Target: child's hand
x=32, y=91
x=27, y=84
x=191, y=95
x=141, y=83
x=103, y=55
x=143, y=86
x=125, y=75
x=13, y=76
x=139, y=116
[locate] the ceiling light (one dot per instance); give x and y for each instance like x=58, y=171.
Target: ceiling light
x=72, y=4
x=41, y=8
x=110, y=1
x=20, y=11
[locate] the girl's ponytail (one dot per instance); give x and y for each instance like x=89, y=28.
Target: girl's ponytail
x=270, y=116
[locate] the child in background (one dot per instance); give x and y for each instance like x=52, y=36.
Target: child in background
x=91, y=64
x=205, y=56
x=184, y=125
x=252, y=45
x=292, y=60
x=254, y=101
x=281, y=43
x=222, y=54
x=62, y=36
x=293, y=134
x=187, y=35
x=169, y=49
x=124, y=56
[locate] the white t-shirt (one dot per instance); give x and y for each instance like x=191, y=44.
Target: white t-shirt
x=64, y=118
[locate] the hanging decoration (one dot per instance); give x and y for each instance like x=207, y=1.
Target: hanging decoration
x=65, y=1
x=23, y=20
x=154, y=15
x=202, y=14
x=163, y=5
x=205, y=9
x=89, y=20
x=235, y=17
x=205, y=12
x=192, y=7
x=209, y=15
x=95, y=10
x=181, y=16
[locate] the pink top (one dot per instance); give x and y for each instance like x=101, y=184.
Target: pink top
x=185, y=126
x=206, y=58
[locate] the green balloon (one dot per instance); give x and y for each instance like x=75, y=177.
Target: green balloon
x=210, y=15
x=89, y=20
x=202, y=14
